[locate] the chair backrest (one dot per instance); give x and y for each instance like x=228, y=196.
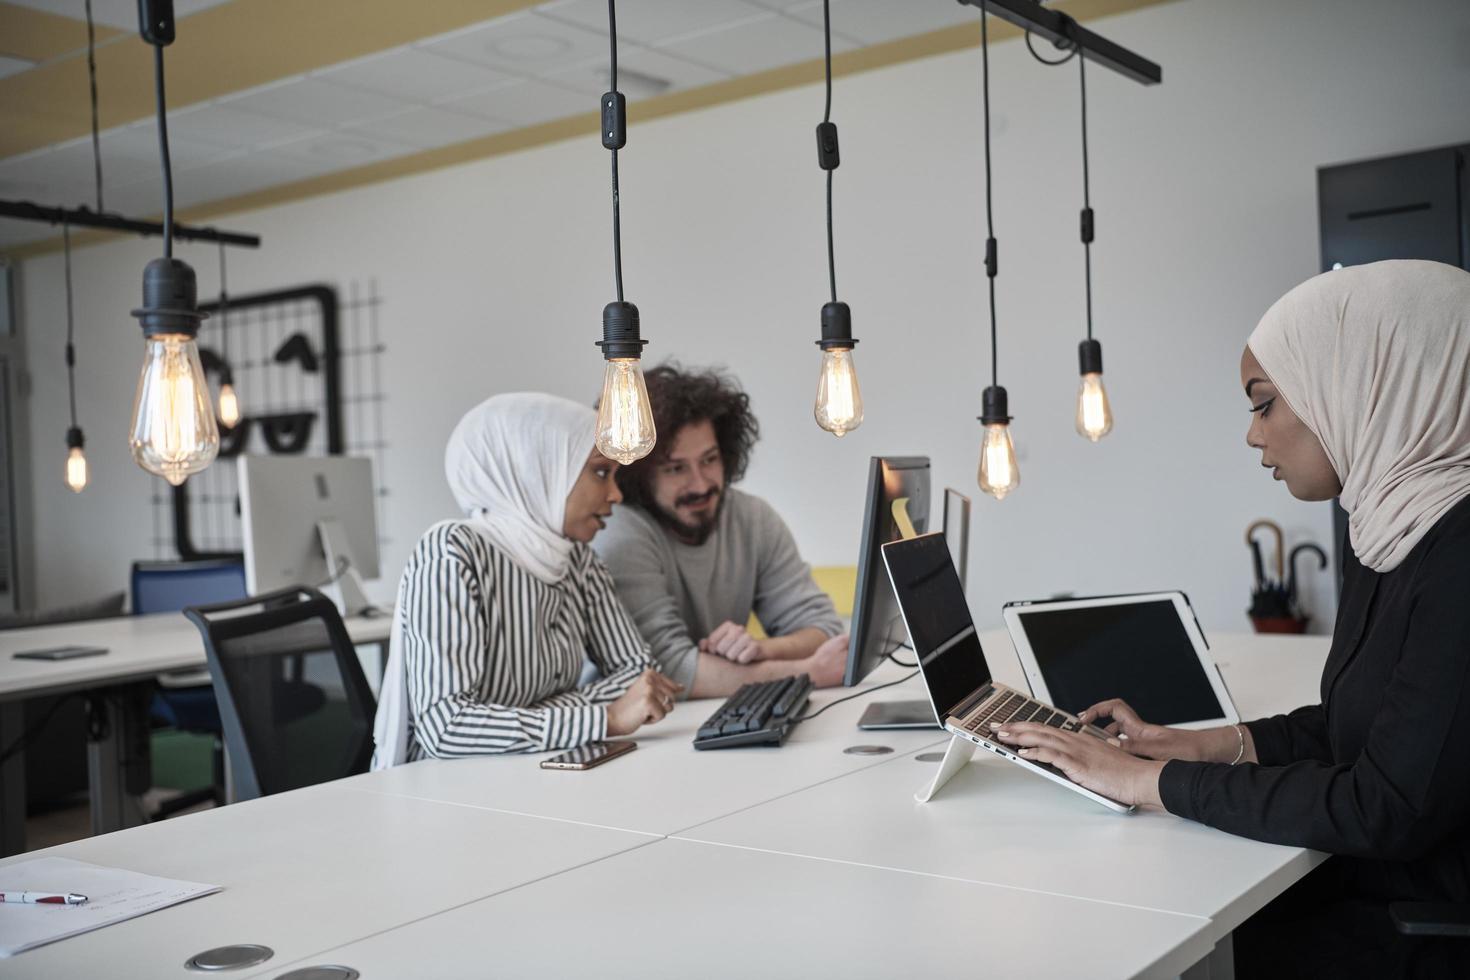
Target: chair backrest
x=169, y=586
x=295, y=704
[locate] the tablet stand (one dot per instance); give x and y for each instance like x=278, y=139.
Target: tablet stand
x=961, y=750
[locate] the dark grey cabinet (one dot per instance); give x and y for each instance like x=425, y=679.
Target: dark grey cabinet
x=1413, y=206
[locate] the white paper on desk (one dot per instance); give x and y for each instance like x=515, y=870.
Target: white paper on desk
x=112, y=896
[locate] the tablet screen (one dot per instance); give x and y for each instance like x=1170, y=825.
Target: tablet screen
x=1137, y=651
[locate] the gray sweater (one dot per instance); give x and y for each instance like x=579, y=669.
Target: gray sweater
x=679, y=593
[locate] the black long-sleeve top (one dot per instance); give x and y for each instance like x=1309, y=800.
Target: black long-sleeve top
x=1379, y=772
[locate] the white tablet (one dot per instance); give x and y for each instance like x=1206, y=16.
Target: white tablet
x=1146, y=649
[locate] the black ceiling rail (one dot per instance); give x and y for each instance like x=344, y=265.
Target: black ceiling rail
x=1066, y=33
x=85, y=217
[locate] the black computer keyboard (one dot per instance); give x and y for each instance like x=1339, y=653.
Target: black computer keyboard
x=757, y=714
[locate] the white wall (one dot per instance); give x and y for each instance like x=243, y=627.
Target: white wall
x=494, y=275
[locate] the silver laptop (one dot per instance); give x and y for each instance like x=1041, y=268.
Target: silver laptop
x=965, y=698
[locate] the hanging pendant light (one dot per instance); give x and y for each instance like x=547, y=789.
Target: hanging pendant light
x=76, y=460
x=173, y=432
x=1094, y=413
x=999, y=474
x=625, y=429
x=229, y=403
x=839, y=406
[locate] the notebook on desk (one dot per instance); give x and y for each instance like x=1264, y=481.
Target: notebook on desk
x=965, y=698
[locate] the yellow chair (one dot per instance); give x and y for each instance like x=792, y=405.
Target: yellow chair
x=838, y=581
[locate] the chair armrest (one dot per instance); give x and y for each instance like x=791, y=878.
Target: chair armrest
x=1431, y=918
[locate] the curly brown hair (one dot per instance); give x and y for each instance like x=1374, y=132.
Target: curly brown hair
x=679, y=396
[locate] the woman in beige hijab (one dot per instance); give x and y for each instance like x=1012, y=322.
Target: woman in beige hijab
x=1359, y=388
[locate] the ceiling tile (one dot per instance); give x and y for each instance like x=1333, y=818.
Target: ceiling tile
x=233, y=127
x=426, y=128
x=412, y=73
x=645, y=65
x=876, y=21
x=650, y=21
x=756, y=45
x=339, y=150
x=525, y=103
x=240, y=174
x=313, y=101
x=521, y=44
x=139, y=142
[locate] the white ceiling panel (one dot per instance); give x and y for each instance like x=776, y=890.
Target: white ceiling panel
x=651, y=21
x=412, y=73
x=234, y=128
x=339, y=151
x=245, y=173
x=425, y=128
x=122, y=14
x=592, y=77
x=757, y=45
x=876, y=21
x=521, y=44
x=316, y=102
x=139, y=142
x=525, y=103
x=70, y=165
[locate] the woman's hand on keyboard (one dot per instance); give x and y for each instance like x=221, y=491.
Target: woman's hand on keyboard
x=1088, y=761
x=1148, y=740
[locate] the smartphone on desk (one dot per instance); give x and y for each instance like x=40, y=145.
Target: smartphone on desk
x=589, y=756
x=60, y=653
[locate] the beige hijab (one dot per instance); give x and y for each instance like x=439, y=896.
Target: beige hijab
x=1375, y=359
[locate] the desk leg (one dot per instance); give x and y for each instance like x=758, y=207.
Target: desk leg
x=960, y=752
x=119, y=768
x=12, y=781
x=1218, y=965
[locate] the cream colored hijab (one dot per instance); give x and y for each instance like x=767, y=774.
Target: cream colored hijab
x=1375, y=359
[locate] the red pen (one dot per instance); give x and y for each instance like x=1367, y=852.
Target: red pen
x=41, y=898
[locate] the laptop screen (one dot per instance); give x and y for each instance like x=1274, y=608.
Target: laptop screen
x=938, y=619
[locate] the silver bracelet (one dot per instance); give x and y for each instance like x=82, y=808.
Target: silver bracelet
x=1240, y=734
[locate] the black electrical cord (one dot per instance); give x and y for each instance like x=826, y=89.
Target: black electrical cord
x=71, y=351
x=224, y=306
x=92, y=80
x=1086, y=195
x=168, y=175
x=1050, y=61
x=826, y=118
x=991, y=259
x=612, y=37
x=811, y=715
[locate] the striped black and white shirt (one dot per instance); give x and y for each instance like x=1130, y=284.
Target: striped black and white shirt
x=492, y=654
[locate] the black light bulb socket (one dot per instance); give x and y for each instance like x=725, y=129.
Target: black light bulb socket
x=156, y=22
x=829, y=157
x=836, y=327
x=1089, y=357
x=74, y=438
x=995, y=405
x=170, y=299
x=620, y=335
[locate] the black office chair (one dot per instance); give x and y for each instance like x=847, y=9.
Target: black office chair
x=296, y=706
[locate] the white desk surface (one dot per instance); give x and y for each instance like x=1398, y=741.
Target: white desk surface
x=996, y=823
x=137, y=647
x=680, y=909
x=306, y=870
x=667, y=784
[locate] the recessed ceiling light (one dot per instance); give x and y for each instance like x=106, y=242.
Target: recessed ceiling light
x=528, y=47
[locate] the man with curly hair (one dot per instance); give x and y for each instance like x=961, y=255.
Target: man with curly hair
x=692, y=557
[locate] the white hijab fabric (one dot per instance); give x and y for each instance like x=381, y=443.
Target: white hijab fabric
x=1375, y=360
x=510, y=463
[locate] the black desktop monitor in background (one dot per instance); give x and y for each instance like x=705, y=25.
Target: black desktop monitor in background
x=877, y=628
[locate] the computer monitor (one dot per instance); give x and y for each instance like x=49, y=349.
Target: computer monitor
x=957, y=532
x=309, y=520
x=877, y=628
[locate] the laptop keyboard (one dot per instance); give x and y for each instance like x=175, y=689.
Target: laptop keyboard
x=1015, y=708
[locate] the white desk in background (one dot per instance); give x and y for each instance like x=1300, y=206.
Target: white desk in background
x=138, y=649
